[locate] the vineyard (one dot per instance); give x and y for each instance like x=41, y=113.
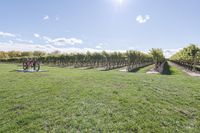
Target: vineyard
x=130, y=60
x=65, y=98
x=188, y=57
x=100, y=66
x=104, y=60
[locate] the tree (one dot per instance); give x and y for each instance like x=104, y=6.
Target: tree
x=194, y=52
x=39, y=53
x=27, y=54
x=3, y=55
x=56, y=52
x=158, y=57
x=137, y=59
x=13, y=54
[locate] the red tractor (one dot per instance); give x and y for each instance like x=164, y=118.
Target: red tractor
x=31, y=63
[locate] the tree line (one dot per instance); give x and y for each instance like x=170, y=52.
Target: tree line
x=19, y=54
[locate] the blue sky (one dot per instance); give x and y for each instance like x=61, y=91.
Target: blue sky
x=98, y=24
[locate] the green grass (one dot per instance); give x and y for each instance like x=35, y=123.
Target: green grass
x=145, y=69
x=72, y=100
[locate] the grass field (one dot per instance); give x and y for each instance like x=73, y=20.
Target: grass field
x=72, y=100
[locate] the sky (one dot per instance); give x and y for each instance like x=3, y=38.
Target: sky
x=95, y=25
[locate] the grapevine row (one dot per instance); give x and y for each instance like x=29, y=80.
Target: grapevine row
x=188, y=57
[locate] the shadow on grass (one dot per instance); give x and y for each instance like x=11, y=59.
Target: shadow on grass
x=12, y=71
x=167, y=69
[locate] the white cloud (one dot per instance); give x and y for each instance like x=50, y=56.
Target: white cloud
x=62, y=41
x=100, y=46
x=142, y=19
x=20, y=47
x=169, y=52
x=46, y=17
x=24, y=41
x=47, y=48
x=47, y=39
x=4, y=34
x=14, y=46
x=131, y=48
x=66, y=41
x=10, y=41
x=36, y=35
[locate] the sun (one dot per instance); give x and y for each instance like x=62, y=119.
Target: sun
x=120, y=1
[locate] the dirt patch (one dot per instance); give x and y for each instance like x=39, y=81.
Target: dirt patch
x=152, y=71
x=123, y=70
x=192, y=73
x=31, y=71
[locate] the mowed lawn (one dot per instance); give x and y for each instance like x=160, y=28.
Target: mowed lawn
x=73, y=100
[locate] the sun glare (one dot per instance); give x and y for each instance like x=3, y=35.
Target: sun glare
x=120, y=1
